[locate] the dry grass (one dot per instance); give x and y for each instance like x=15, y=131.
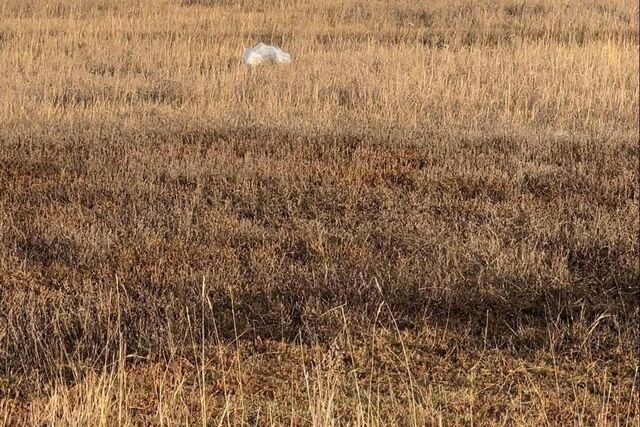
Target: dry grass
x=430, y=217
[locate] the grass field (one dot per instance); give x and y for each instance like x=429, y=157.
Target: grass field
x=429, y=217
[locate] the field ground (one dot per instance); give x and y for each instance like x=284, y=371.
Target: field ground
x=430, y=217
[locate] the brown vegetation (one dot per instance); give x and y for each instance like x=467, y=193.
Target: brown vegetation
x=431, y=216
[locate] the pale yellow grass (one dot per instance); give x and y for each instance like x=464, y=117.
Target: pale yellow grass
x=429, y=218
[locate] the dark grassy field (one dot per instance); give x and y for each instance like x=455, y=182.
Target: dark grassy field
x=430, y=217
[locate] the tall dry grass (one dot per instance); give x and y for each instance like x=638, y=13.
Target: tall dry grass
x=430, y=217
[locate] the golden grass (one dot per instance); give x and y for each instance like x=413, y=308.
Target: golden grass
x=430, y=217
